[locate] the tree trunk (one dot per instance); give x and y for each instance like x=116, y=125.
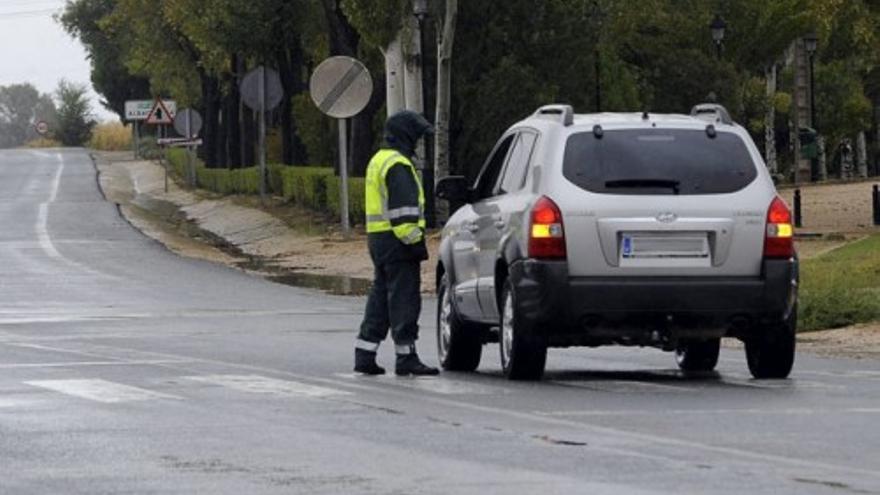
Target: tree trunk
x=249, y=136
x=290, y=65
x=211, y=105
x=395, y=83
x=232, y=115
x=770, y=122
x=444, y=101
x=876, y=137
x=861, y=155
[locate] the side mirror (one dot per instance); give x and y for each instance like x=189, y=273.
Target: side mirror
x=454, y=189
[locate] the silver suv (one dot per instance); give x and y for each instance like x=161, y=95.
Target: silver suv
x=618, y=229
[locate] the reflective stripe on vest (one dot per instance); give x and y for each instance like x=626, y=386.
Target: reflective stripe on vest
x=378, y=215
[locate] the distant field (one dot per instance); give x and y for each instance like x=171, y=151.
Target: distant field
x=111, y=137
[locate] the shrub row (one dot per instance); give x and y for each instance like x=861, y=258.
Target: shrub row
x=315, y=188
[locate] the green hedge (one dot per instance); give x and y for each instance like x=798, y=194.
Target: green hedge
x=306, y=186
x=315, y=188
x=356, y=208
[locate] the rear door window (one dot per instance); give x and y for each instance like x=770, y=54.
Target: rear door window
x=518, y=163
x=658, y=161
x=488, y=179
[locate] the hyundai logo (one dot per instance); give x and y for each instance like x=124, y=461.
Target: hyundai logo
x=667, y=217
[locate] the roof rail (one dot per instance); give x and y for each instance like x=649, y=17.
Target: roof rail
x=555, y=112
x=712, y=112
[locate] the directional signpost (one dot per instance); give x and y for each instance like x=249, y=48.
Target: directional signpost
x=341, y=88
x=261, y=91
x=138, y=110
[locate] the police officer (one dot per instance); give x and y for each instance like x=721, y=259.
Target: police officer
x=395, y=208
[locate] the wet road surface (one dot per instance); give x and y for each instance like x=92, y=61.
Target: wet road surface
x=126, y=369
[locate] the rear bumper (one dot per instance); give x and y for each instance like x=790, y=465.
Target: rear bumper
x=587, y=311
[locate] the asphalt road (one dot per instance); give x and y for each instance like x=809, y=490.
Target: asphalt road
x=126, y=369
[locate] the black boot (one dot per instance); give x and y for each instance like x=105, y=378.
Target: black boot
x=365, y=362
x=409, y=364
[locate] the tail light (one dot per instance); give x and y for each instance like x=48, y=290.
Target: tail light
x=546, y=234
x=779, y=237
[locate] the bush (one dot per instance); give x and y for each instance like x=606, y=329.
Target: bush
x=111, y=137
x=149, y=150
x=356, y=206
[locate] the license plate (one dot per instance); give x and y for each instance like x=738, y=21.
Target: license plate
x=685, y=245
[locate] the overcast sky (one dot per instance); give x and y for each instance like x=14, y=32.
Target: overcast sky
x=35, y=49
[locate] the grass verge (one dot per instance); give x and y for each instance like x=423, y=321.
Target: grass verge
x=841, y=287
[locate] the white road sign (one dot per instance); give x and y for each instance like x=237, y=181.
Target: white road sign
x=140, y=109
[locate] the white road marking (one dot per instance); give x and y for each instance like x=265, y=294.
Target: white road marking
x=100, y=390
x=615, y=433
x=74, y=364
x=42, y=225
x=707, y=412
x=438, y=385
x=10, y=403
x=268, y=386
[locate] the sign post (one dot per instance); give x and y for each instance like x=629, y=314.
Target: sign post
x=188, y=123
x=138, y=110
x=261, y=91
x=341, y=88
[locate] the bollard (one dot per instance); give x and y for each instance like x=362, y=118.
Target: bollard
x=798, y=219
x=876, y=196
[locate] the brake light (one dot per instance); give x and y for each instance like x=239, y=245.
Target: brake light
x=546, y=234
x=779, y=237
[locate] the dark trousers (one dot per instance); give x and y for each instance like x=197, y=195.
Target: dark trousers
x=394, y=302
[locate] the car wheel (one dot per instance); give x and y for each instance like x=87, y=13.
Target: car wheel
x=523, y=356
x=771, y=354
x=459, y=345
x=698, y=355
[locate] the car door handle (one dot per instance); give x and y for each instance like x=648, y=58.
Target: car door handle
x=499, y=221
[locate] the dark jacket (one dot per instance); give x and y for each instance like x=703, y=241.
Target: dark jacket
x=402, y=132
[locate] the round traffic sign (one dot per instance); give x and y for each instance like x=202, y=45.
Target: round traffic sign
x=250, y=88
x=341, y=87
x=188, y=123
x=41, y=127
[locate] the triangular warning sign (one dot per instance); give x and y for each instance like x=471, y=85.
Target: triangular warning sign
x=159, y=115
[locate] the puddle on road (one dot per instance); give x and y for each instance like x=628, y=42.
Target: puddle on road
x=332, y=284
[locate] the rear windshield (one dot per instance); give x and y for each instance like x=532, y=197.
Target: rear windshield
x=658, y=161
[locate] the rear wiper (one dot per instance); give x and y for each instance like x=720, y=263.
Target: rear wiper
x=643, y=183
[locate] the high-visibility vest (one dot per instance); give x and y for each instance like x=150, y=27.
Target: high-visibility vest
x=379, y=217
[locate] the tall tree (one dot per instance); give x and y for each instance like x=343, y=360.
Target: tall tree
x=110, y=77
x=21, y=106
x=75, y=118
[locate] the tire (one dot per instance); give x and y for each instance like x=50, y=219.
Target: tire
x=698, y=355
x=459, y=345
x=771, y=355
x=523, y=356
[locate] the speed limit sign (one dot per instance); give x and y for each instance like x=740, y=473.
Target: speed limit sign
x=41, y=127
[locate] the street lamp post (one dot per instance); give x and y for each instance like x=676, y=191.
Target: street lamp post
x=810, y=43
x=421, y=9
x=717, y=26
